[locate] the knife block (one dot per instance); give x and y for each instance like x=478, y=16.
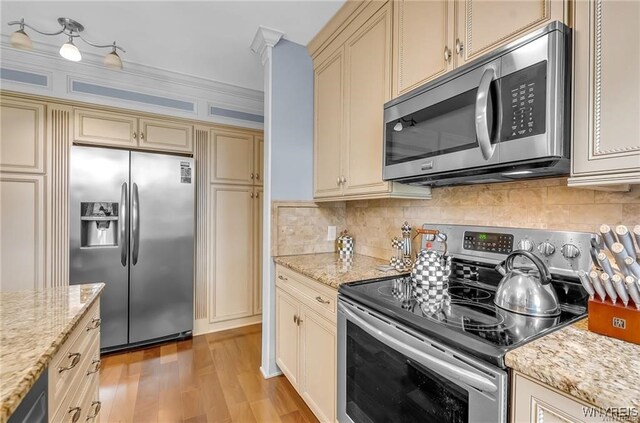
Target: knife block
x=614, y=320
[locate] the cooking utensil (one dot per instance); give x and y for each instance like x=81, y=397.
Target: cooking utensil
x=608, y=287
x=524, y=291
x=625, y=239
x=607, y=235
x=586, y=283
x=605, y=264
x=633, y=266
x=597, y=285
x=632, y=288
x=621, y=289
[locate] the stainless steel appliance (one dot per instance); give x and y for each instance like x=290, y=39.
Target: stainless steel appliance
x=400, y=360
x=132, y=227
x=503, y=116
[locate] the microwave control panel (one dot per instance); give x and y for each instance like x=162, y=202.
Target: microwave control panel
x=524, y=99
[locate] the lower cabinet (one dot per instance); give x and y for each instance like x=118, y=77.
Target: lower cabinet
x=306, y=339
x=532, y=402
x=74, y=373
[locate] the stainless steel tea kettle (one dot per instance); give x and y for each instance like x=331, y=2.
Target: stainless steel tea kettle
x=525, y=291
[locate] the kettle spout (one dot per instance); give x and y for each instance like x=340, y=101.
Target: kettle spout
x=500, y=268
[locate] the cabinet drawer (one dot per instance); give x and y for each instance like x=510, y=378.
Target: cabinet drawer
x=72, y=360
x=314, y=294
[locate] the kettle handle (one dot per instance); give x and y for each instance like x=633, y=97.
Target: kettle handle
x=545, y=275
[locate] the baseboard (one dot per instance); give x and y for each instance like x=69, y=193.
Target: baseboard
x=202, y=326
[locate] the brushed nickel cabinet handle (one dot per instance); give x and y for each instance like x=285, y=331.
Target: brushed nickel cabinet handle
x=258, y=176
x=141, y=135
x=447, y=54
x=339, y=181
x=257, y=195
x=459, y=46
x=299, y=321
x=252, y=176
x=320, y=300
x=96, y=410
x=97, y=366
x=75, y=359
x=251, y=195
x=94, y=324
x=295, y=319
x=75, y=414
x=135, y=135
x=344, y=180
x=283, y=278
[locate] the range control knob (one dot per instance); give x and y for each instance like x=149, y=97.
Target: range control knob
x=546, y=248
x=570, y=251
x=525, y=244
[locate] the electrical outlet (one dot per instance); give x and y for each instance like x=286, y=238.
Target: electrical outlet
x=331, y=233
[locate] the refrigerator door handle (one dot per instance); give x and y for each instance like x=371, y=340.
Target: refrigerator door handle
x=135, y=224
x=124, y=232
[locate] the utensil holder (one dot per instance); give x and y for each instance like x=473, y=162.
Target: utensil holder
x=614, y=320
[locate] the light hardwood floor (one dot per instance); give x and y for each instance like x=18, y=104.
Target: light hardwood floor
x=211, y=378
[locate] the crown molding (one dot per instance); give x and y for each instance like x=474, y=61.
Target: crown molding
x=264, y=40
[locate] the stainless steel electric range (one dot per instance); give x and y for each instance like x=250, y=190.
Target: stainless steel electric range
x=399, y=360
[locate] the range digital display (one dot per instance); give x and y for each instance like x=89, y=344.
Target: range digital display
x=488, y=241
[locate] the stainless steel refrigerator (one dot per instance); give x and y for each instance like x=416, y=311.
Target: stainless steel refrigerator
x=132, y=227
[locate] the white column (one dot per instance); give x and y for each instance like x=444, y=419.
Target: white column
x=262, y=44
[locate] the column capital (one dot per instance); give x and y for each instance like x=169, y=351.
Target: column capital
x=264, y=40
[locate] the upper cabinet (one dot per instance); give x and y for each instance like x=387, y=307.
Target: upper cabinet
x=352, y=81
x=483, y=25
x=128, y=131
x=606, y=87
x=423, y=43
x=236, y=158
x=22, y=146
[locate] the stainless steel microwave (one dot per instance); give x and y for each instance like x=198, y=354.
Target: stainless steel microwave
x=504, y=116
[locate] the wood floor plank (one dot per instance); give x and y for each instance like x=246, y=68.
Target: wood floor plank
x=213, y=378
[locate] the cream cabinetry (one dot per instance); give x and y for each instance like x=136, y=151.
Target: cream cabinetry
x=123, y=130
x=352, y=83
x=258, y=159
x=533, y=402
x=74, y=373
x=232, y=158
x=423, y=43
x=306, y=339
x=606, y=104
x=22, y=136
x=482, y=26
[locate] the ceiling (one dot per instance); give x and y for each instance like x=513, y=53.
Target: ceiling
x=207, y=39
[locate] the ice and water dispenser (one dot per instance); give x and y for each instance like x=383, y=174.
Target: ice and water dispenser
x=99, y=224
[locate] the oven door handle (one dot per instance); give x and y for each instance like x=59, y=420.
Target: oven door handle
x=482, y=121
x=432, y=363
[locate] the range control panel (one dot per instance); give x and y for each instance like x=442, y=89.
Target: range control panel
x=492, y=242
x=524, y=98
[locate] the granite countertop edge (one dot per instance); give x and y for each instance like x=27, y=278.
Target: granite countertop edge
x=11, y=402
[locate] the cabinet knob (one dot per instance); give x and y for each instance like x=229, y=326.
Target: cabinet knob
x=252, y=176
x=339, y=181
x=447, y=54
x=95, y=324
x=257, y=176
x=459, y=46
x=135, y=136
x=251, y=195
x=344, y=180
x=141, y=135
x=75, y=414
x=257, y=195
x=75, y=359
x=96, y=410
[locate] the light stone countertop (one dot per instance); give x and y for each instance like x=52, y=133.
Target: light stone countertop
x=329, y=269
x=33, y=326
x=597, y=369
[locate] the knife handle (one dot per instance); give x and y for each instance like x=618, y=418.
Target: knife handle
x=597, y=285
x=586, y=283
x=605, y=264
x=625, y=238
x=620, y=253
x=633, y=266
x=621, y=289
x=608, y=286
x=607, y=235
x=634, y=292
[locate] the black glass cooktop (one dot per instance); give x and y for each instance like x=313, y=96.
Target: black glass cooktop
x=466, y=317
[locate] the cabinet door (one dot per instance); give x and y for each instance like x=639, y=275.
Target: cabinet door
x=166, y=135
x=104, y=128
x=257, y=236
x=483, y=25
x=328, y=127
x=606, y=140
x=232, y=158
x=22, y=137
x=258, y=166
x=367, y=87
x=287, y=339
x=318, y=364
x=231, y=241
x=22, y=240
x=422, y=42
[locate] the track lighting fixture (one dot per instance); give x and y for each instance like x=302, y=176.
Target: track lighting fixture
x=72, y=29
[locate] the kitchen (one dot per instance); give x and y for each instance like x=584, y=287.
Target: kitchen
x=276, y=326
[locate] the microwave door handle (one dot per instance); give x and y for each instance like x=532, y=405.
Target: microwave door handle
x=124, y=241
x=433, y=363
x=482, y=105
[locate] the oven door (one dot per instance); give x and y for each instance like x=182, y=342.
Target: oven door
x=391, y=374
x=451, y=126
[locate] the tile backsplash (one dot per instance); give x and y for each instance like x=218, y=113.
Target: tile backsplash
x=542, y=204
